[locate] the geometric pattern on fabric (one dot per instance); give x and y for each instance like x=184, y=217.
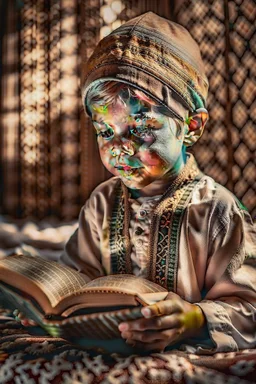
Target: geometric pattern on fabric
x=29, y=358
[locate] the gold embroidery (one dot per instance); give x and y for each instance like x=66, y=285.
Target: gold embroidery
x=158, y=249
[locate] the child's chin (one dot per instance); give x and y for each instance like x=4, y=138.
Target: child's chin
x=134, y=184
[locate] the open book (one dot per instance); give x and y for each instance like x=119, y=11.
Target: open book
x=58, y=299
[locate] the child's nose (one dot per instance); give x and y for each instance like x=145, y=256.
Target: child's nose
x=125, y=147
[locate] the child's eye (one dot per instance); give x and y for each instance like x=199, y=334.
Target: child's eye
x=141, y=131
x=108, y=134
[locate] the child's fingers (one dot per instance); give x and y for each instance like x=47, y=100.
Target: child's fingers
x=165, y=307
x=154, y=323
x=167, y=335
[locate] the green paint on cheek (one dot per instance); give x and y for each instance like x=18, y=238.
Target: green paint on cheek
x=102, y=109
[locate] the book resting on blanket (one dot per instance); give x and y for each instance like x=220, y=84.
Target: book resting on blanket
x=58, y=299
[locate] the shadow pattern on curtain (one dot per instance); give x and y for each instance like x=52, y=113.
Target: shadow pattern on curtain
x=225, y=32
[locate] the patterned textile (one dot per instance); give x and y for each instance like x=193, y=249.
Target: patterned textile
x=156, y=56
x=28, y=358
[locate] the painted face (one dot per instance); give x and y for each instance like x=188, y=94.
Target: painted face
x=136, y=142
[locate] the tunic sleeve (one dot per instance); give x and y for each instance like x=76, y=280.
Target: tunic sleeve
x=82, y=250
x=229, y=303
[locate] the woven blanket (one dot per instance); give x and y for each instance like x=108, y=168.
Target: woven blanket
x=28, y=359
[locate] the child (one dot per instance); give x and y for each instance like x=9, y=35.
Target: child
x=159, y=217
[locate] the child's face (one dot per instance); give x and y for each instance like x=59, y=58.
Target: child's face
x=136, y=142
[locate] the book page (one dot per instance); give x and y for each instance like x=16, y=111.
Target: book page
x=124, y=283
x=55, y=280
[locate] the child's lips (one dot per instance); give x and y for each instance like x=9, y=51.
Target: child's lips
x=127, y=170
x=126, y=167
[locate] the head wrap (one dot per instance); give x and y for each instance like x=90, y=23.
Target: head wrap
x=155, y=55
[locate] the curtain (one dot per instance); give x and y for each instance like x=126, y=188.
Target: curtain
x=49, y=162
x=40, y=133
x=225, y=32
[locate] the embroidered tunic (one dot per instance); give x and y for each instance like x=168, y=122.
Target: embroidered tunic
x=197, y=240
x=141, y=212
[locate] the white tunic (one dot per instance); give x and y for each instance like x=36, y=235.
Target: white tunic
x=216, y=261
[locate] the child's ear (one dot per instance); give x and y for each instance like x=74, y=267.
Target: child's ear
x=194, y=126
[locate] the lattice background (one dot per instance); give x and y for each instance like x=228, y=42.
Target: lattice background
x=9, y=110
x=41, y=137
x=49, y=162
x=243, y=98
x=224, y=31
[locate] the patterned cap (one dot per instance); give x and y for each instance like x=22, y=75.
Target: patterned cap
x=154, y=55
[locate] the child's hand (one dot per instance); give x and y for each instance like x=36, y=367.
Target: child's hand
x=164, y=323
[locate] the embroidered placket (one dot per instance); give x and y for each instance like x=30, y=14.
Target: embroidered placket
x=164, y=234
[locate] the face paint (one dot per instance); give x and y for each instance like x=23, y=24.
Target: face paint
x=101, y=109
x=136, y=142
